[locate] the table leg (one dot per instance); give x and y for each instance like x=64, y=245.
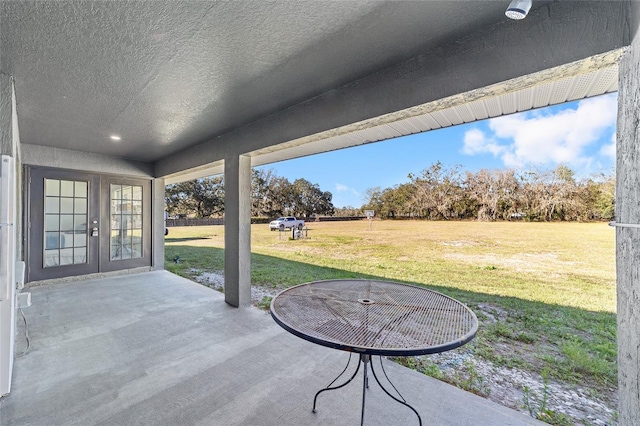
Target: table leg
x=364, y=360
x=365, y=384
x=315, y=399
x=401, y=401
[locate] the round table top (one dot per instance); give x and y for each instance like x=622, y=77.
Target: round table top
x=374, y=317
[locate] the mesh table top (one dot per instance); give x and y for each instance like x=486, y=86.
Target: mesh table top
x=374, y=317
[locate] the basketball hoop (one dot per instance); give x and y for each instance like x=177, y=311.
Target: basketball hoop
x=369, y=214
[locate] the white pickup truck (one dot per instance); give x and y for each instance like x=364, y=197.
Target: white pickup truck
x=287, y=222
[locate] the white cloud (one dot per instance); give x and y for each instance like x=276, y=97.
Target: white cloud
x=475, y=142
x=344, y=188
x=609, y=150
x=544, y=138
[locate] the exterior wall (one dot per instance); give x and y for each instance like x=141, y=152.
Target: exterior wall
x=6, y=138
x=628, y=238
x=44, y=156
x=17, y=154
x=10, y=146
x=36, y=155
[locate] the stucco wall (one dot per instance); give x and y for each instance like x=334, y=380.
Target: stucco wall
x=628, y=238
x=17, y=154
x=10, y=145
x=44, y=156
x=6, y=137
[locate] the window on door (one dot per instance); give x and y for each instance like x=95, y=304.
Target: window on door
x=126, y=221
x=65, y=222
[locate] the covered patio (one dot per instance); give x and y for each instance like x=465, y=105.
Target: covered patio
x=157, y=349
x=103, y=103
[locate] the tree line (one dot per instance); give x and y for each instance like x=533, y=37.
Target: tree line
x=437, y=193
x=271, y=196
x=441, y=193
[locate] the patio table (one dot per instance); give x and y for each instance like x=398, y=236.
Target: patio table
x=374, y=318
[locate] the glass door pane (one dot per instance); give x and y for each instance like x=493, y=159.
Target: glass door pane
x=126, y=219
x=65, y=222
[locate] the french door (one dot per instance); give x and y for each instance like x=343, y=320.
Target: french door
x=82, y=223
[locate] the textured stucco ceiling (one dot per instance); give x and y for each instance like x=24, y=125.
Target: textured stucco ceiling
x=168, y=74
x=185, y=83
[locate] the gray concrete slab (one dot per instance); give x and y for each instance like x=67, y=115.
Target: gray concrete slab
x=157, y=349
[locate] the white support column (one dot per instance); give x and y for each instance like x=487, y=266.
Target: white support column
x=237, y=230
x=628, y=237
x=158, y=226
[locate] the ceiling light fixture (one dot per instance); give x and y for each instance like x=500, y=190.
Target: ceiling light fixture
x=115, y=138
x=518, y=9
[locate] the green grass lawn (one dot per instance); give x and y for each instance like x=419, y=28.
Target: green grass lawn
x=568, y=264
x=543, y=292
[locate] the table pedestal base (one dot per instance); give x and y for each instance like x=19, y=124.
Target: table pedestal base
x=364, y=360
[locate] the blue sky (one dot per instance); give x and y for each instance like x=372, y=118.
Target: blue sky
x=578, y=134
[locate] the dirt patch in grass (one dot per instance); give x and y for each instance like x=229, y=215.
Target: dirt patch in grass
x=521, y=389
x=492, y=313
x=459, y=243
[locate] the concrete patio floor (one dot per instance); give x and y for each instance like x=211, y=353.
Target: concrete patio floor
x=157, y=349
